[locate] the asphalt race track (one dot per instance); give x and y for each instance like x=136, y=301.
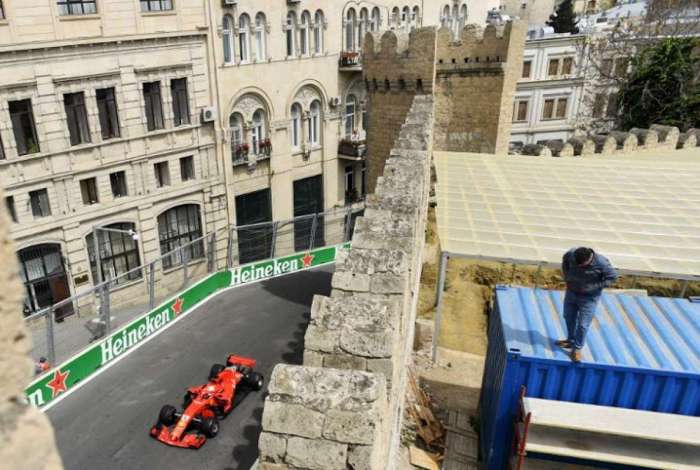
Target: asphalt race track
x=104, y=425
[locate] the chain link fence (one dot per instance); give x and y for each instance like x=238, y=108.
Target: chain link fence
x=96, y=312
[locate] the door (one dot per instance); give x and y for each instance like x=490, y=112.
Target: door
x=308, y=199
x=45, y=280
x=254, y=243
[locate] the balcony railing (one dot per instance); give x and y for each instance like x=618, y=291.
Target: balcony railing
x=356, y=149
x=350, y=61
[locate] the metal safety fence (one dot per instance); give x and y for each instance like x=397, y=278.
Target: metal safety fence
x=67, y=327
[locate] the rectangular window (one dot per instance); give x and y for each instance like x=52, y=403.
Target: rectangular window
x=88, y=189
x=181, y=106
x=567, y=66
x=179, y=228
x=162, y=174
x=520, y=111
x=109, y=117
x=77, y=7
x=187, y=168
x=39, y=201
x=118, y=182
x=119, y=254
x=2, y=150
x=599, y=105
x=2, y=11
x=156, y=5
x=10, y=204
x=553, y=69
x=548, y=110
x=23, y=127
x=606, y=68
x=154, y=105
x=562, y=104
x=612, y=106
x=527, y=68
x=76, y=114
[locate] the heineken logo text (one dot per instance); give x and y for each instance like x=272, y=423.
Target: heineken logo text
x=115, y=345
x=263, y=270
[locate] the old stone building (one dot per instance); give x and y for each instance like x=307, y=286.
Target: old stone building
x=472, y=75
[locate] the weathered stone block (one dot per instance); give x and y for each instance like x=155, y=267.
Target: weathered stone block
x=288, y=418
x=367, y=344
x=316, y=454
x=321, y=339
x=381, y=366
x=350, y=281
x=350, y=427
x=273, y=466
x=344, y=361
x=360, y=457
x=272, y=447
x=313, y=359
x=385, y=283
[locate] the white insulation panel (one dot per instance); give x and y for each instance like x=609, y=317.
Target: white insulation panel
x=643, y=213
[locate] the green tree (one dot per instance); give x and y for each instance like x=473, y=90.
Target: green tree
x=663, y=86
x=563, y=20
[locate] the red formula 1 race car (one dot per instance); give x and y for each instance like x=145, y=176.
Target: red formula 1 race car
x=206, y=404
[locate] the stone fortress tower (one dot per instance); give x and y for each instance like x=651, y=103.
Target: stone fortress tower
x=472, y=78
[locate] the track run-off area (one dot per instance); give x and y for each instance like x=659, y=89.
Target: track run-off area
x=104, y=424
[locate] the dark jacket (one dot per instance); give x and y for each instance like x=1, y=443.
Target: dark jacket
x=588, y=280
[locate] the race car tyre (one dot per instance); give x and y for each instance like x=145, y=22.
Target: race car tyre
x=255, y=380
x=215, y=369
x=210, y=427
x=167, y=415
x=187, y=400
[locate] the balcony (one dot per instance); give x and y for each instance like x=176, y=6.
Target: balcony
x=350, y=61
x=354, y=150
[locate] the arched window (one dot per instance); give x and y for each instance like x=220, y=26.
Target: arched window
x=178, y=228
x=415, y=17
x=257, y=131
x=236, y=128
x=304, y=33
x=296, y=125
x=260, y=37
x=463, y=17
x=406, y=17
x=318, y=32
x=395, y=17
x=362, y=27
x=291, y=26
x=455, y=20
x=228, y=39
x=445, y=18
x=350, y=30
x=314, y=122
x=376, y=20
x=119, y=253
x=243, y=30
x=43, y=273
x=350, y=112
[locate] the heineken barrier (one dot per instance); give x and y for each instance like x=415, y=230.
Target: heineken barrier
x=67, y=375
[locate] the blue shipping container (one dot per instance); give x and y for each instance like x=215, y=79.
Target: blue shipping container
x=641, y=353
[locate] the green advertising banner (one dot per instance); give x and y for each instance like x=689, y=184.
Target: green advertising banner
x=66, y=376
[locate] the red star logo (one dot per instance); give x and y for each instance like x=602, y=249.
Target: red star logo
x=58, y=383
x=307, y=259
x=177, y=306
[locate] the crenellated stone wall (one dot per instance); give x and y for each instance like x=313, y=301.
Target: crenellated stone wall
x=343, y=408
x=618, y=142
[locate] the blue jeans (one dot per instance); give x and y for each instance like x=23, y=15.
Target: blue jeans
x=579, y=310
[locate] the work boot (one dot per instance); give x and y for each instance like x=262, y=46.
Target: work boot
x=576, y=355
x=564, y=343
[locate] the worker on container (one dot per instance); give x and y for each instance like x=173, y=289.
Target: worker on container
x=586, y=274
x=41, y=366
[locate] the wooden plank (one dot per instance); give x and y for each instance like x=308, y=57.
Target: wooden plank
x=608, y=448
x=423, y=459
x=610, y=420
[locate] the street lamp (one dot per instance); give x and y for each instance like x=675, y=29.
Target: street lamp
x=98, y=264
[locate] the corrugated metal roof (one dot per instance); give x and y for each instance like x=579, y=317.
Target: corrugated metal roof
x=632, y=331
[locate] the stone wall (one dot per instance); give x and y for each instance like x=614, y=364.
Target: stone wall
x=25, y=432
x=617, y=142
x=363, y=333
x=475, y=85
x=397, y=66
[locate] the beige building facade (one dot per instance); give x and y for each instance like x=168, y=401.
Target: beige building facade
x=172, y=119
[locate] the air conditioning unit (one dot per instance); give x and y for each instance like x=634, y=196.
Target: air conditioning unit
x=229, y=3
x=334, y=101
x=209, y=114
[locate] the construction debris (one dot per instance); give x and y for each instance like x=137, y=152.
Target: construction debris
x=423, y=459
